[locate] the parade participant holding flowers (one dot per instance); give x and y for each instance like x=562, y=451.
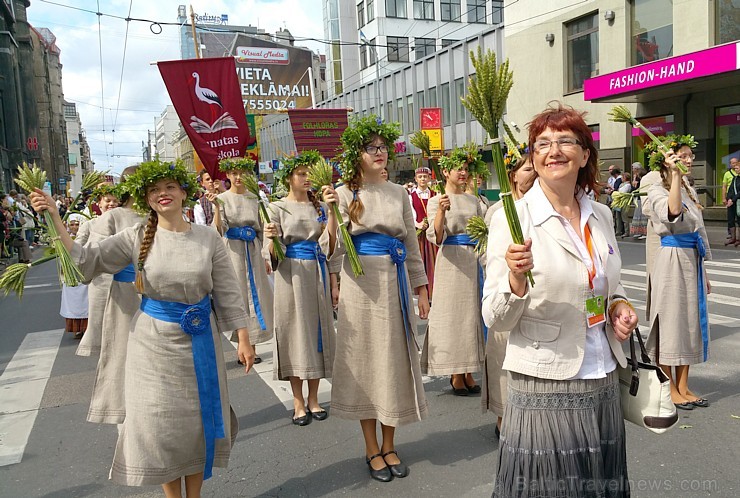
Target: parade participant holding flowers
x=455, y=340
x=679, y=322
x=376, y=373
x=304, y=325
x=178, y=419
x=419, y=197
x=237, y=219
x=563, y=430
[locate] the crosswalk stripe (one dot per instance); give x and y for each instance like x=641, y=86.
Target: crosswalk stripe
x=22, y=386
x=715, y=283
x=718, y=273
x=712, y=298
x=714, y=319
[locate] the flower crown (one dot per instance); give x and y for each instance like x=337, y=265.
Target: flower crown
x=674, y=142
x=106, y=189
x=149, y=173
x=466, y=155
x=357, y=135
x=306, y=158
x=511, y=158
x=236, y=164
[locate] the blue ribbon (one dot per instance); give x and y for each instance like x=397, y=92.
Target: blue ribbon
x=379, y=244
x=694, y=241
x=195, y=321
x=465, y=240
x=128, y=274
x=248, y=234
x=309, y=250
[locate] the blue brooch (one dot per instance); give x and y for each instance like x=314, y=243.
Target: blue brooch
x=195, y=320
x=322, y=217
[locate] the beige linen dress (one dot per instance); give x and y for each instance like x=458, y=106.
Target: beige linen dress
x=675, y=331
x=454, y=340
x=376, y=367
x=302, y=298
x=237, y=211
x=108, y=404
x=161, y=437
x=97, y=294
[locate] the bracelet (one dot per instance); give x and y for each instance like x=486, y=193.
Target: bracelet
x=616, y=301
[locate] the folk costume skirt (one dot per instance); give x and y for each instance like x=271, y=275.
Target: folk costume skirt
x=562, y=439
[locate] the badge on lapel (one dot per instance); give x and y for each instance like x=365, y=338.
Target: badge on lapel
x=611, y=249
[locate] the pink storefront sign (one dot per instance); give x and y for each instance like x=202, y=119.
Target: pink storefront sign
x=715, y=60
x=658, y=129
x=728, y=120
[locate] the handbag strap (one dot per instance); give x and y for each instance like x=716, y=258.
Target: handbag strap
x=643, y=349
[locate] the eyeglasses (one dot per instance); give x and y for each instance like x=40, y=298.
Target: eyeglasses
x=566, y=143
x=684, y=157
x=372, y=149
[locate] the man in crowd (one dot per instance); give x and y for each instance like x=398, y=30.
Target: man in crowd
x=203, y=211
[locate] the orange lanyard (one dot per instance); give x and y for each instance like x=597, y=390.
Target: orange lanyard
x=589, y=245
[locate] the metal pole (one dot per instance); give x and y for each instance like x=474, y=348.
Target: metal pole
x=195, y=37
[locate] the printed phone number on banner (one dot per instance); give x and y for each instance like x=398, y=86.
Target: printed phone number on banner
x=268, y=105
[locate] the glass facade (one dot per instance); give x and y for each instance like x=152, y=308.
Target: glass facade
x=658, y=125
x=727, y=137
x=652, y=30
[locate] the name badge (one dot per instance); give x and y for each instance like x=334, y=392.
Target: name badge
x=595, y=313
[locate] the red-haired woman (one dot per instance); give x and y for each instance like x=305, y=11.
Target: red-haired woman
x=562, y=430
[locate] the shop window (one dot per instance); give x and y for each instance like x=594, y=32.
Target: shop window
x=583, y=51
x=659, y=126
x=445, y=105
x=450, y=10
x=727, y=133
x=398, y=49
x=424, y=9
x=423, y=47
x=361, y=14
x=595, y=135
x=395, y=8
x=370, y=10
x=477, y=11
x=728, y=20
x=652, y=30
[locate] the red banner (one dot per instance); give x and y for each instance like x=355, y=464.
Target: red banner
x=318, y=129
x=206, y=96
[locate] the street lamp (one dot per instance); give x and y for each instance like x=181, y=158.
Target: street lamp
x=377, y=74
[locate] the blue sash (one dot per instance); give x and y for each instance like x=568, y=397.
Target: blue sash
x=379, y=244
x=248, y=234
x=195, y=321
x=128, y=274
x=694, y=241
x=465, y=240
x=308, y=250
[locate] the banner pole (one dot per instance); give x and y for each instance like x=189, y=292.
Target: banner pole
x=195, y=38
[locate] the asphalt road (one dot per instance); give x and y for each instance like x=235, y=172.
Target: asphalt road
x=451, y=454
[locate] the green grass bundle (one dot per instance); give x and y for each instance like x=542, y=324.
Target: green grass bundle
x=478, y=231
x=253, y=187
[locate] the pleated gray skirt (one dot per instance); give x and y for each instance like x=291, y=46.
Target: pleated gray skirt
x=562, y=439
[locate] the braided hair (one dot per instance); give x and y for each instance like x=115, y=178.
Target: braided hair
x=146, y=243
x=356, y=208
x=317, y=205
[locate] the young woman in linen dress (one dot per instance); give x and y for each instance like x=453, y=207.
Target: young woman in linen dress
x=304, y=325
x=376, y=376
x=679, y=328
x=162, y=438
x=454, y=344
x=239, y=208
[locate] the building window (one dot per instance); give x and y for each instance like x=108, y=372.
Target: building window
x=361, y=14
x=459, y=107
x=420, y=99
x=659, y=125
x=424, y=9
x=370, y=10
x=372, y=52
x=447, y=43
x=399, y=114
x=595, y=135
x=583, y=51
x=728, y=20
x=445, y=105
x=398, y=49
x=363, y=56
x=477, y=11
x=395, y=8
x=727, y=136
x=497, y=11
x=432, y=95
x=410, y=109
x=423, y=47
x=450, y=10
x=389, y=112
x=652, y=30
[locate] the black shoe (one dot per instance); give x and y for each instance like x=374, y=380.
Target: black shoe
x=474, y=389
x=257, y=360
x=398, y=470
x=701, y=402
x=458, y=392
x=686, y=405
x=320, y=414
x=497, y=431
x=301, y=421
x=382, y=475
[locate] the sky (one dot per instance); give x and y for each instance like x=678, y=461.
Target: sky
x=117, y=115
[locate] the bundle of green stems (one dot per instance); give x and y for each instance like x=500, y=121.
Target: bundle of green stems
x=253, y=187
